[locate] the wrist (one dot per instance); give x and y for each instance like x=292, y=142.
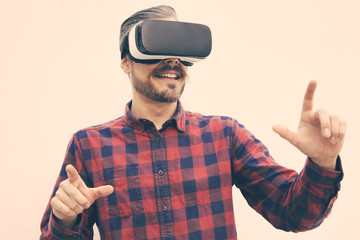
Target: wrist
x=329, y=164
x=68, y=223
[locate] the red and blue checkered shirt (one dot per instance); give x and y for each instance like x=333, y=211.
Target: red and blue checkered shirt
x=176, y=182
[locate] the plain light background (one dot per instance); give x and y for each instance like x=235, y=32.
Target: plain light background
x=59, y=72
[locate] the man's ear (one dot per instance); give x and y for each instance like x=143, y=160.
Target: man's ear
x=126, y=65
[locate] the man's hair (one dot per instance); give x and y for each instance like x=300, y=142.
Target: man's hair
x=161, y=11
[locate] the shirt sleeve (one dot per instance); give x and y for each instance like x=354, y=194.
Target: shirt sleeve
x=50, y=226
x=288, y=200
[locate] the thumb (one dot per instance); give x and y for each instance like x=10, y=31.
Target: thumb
x=101, y=191
x=285, y=133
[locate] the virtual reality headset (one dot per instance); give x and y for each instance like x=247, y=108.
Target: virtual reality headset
x=150, y=41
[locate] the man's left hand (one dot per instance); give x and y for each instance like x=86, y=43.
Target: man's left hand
x=320, y=134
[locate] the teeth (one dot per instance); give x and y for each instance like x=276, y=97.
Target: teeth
x=169, y=75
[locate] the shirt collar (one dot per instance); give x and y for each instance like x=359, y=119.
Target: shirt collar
x=140, y=124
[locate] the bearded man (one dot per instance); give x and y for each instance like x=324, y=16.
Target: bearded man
x=161, y=172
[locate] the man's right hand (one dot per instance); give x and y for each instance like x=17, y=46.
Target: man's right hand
x=73, y=196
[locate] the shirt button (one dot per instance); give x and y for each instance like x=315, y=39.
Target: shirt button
x=164, y=208
x=161, y=172
x=157, y=139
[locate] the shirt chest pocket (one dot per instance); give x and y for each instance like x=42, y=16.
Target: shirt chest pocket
x=126, y=199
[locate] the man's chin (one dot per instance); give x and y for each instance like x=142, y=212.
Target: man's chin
x=164, y=99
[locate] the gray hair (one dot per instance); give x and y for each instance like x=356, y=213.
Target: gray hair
x=161, y=11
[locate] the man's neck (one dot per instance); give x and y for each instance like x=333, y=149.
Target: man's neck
x=156, y=112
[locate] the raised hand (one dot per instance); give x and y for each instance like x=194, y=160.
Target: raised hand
x=73, y=196
x=320, y=134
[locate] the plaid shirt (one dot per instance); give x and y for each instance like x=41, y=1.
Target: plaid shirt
x=176, y=183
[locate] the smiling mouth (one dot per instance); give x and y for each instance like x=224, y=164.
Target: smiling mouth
x=168, y=75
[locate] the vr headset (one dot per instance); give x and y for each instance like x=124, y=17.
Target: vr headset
x=150, y=41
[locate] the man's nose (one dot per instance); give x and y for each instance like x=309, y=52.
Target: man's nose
x=172, y=61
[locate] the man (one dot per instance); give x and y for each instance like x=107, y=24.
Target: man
x=160, y=172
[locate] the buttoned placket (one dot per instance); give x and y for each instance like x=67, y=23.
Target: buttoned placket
x=161, y=184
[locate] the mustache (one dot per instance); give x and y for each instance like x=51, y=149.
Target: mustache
x=176, y=68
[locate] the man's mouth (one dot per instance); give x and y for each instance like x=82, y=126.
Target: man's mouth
x=168, y=75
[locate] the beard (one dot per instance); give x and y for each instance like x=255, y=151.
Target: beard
x=147, y=88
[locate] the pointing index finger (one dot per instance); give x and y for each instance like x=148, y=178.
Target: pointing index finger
x=76, y=180
x=72, y=173
x=309, y=96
